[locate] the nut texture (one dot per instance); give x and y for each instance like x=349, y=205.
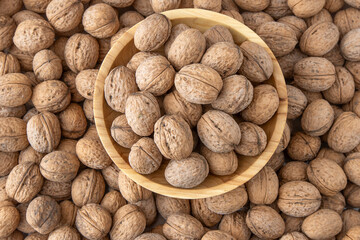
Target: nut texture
x=122, y=133
x=303, y=147
x=12, y=134
x=220, y=163
x=253, y=140
x=167, y=206
x=92, y=153
x=183, y=226
x=47, y=65
x=15, y=89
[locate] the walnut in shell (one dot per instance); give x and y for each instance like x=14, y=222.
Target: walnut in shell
x=252, y=6
x=278, y=9
x=38, y=6
x=303, y=147
x=63, y=233
x=10, y=218
x=130, y=18
x=182, y=226
x=111, y=174
x=235, y=225
x=276, y=161
x=25, y=15
x=293, y=171
x=167, y=206
x=57, y=190
x=255, y=19
x=253, y=140
x=85, y=83
x=47, y=65
x=297, y=102
x=131, y=191
x=322, y=16
x=7, y=30
x=68, y=213
x=336, y=202
x=234, y=14
x=161, y=6
x=148, y=207
x=143, y=7
x=18, y=112
x=347, y=20
x=305, y=8
x=214, y=5
x=217, y=34
x=221, y=164
x=202, y=213
x=187, y=173
x=9, y=161
x=351, y=167
x=12, y=134
x=296, y=23
x=92, y=153
x=29, y=154
x=25, y=58
x=112, y=201
x=15, y=89
x=88, y=110
x=217, y=235
x=73, y=121
x=334, y=5
x=150, y=236
x=352, y=195
x=10, y=6
x=122, y=132
x=24, y=226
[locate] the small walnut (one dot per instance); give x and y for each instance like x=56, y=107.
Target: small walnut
x=202, y=213
x=335, y=57
x=280, y=38
x=265, y=222
x=150, y=236
x=187, y=173
x=10, y=6
x=295, y=23
x=104, y=48
x=214, y=5
x=253, y=140
x=342, y=91
x=297, y=102
x=68, y=213
x=217, y=235
x=292, y=223
x=314, y=74
x=142, y=111
x=85, y=83
x=253, y=6
x=221, y=164
x=175, y=31
x=139, y=58
x=10, y=218
x=305, y=8
x=7, y=30
x=24, y=226
x=111, y=174
x=83, y=57
x=143, y=7
x=354, y=104
x=9, y=161
x=276, y=161
x=218, y=131
x=344, y=135
x=354, y=68
x=73, y=121
x=234, y=14
x=278, y=9
x=122, y=132
x=319, y=38
x=350, y=218
x=352, y=233
x=65, y=232
x=38, y=6
x=161, y=6
x=228, y=202
x=67, y=145
x=148, y=207
x=93, y=221
x=34, y=35
x=130, y=18
x=347, y=20
x=288, y=62
x=17, y=112
x=330, y=154
x=167, y=206
x=25, y=15
x=147, y=38
x=217, y=34
x=235, y=225
x=293, y=171
x=323, y=224
x=352, y=195
x=294, y=236
x=92, y=153
x=43, y=214
x=155, y=75
x=334, y=5
x=303, y=147
x=12, y=134
x=3, y=194
x=57, y=190
x=322, y=16
x=255, y=19
x=299, y=199
x=264, y=105
x=128, y=223
x=336, y=202
x=47, y=65
x=29, y=154
x=198, y=83
x=112, y=201
x=351, y=167
x=349, y=48
x=88, y=110
x=87, y=187
x=182, y=226
x=15, y=89
x=131, y=191
x=119, y=84
x=118, y=35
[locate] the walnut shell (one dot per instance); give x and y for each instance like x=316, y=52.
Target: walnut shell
x=187, y=173
x=319, y=39
x=87, y=187
x=328, y=224
x=214, y=5
x=264, y=105
x=183, y=226
x=143, y=7
x=292, y=223
x=317, y=118
x=202, y=213
x=24, y=226
x=217, y=235
x=10, y=218
x=187, y=48
x=344, y=134
x=161, y=6
x=25, y=58
x=294, y=236
x=252, y=6
x=3, y=194
x=111, y=175
x=57, y=190
x=276, y=161
x=92, y=153
x=9, y=161
x=221, y=164
x=131, y=191
x=334, y=5
x=217, y=34
x=85, y=83
x=104, y=48
x=175, y=31
x=17, y=112
x=15, y=89
x=336, y=202
x=112, y=201
x=280, y=38
x=255, y=19
x=218, y=131
x=253, y=140
x=322, y=16
x=69, y=79
x=93, y=221
x=68, y=213
x=43, y=214
x=29, y=154
x=335, y=56
x=278, y=9
x=352, y=195
x=65, y=232
x=228, y=202
x=347, y=20
x=348, y=46
x=38, y=6
x=235, y=225
x=83, y=57
x=295, y=23
x=128, y=223
x=10, y=6
x=303, y=147
x=293, y=171
x=354, y=68
x=330, y=154
x=146, y=38
x=7, y=30
x=342, y=91
x=354, y=104
x=148, y=207
x=297, y=102
x=139, y=58
x=67, y=145
x=88, y=110
x=150, y=236
x=305, y=8
x=265, y=222
x=263, y=187
x=122, y=133
x=314, y=74
x=234, y=14
x=288, y=62
x=167, y=206
x=351, y=167
x=350, y=218
x=352, y=233
x=47, y=65
x=37, y=236
x=73, y=121
x=12, y=134
x=130, y=18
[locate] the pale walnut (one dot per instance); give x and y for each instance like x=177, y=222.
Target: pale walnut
x=143, y=7
x=142, y=111
x=9, y=161
x=130, y=18
x=104, y=48
x=214, y=5
x=15, y=89
x=228, y=202
x=29, y=154
x=221, y=164
x=255, y=19
x=175, y=31
x=343, y=90
x=8, y=63
x=38, y=6
x=122, y=132
x=334, y=5
x=34, y=35
x=85, y=83
x=264, y=105
x=73, y=121
x=202, y=213
x=265, y=222
x=218, y=131
x=280, y=38
x=119, y=3
x=198, y=83
x=354, y=68
x=25, y=58
x=278, y=9
x=57, y=190
x=235, y=225
x=92, y=153
x=354, y=104
x=93, y=221
x=17, y=112
x=131, y=191
x=148, y=207
x=83, y=57
x=314, y=74
x=59, y=49
x=253, y=140
x=347, y=20
x=167, y=206
x=161, y=6
x=187, y=173
x=276, y=161
x=217, y=34
x=293, y=171
x=24, y=226
x=87, y=187
x=297, y=24
x=12, y=134
x=297, y=102
x=325, y=224
x=7, y=31
x=118, y=35
x=138, y=58
x=65, y=232
x=68, y=213
x=10, y=7
x=352, y=195
x=348, y=46
x=217, y=235
x=234, y=14
x=88, y=110
x=288, y=62
x=319, y=39
x=336, y=202
x=292, y=223
x=3, y=194
x=182, y=226
x=350, y=218
x=322, y=16
x=111, y=174
x=47, y=65
x=155, y=75
x=303, y=147
x=351, y=167
x=294, y=236
x=10, y=218
x=112, y=201
x=335, y=56
x=305, y=8
x=150, y=236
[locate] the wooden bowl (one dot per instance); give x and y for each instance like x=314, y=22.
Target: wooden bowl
x=121, y=53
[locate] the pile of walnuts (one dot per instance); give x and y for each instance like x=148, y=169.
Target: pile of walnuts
x=57, y=182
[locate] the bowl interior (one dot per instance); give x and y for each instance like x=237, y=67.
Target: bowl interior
x=122, y=52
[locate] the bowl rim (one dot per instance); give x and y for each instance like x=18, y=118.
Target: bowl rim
x=197, y=15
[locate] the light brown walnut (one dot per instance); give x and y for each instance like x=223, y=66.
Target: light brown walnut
x=202, y=213
x=235, y=225
x=10, y=218
x=131, y=191
x=65, y=232
x=221, y=164
x=130, y=18
x=167, y=206
x=347, y=19
x=255, y=19
x=214, y=5
x=253, y=140
x=12, y=134
x=112, y=201
x=47, y=65
x=7, y=31
x=85, y=83
x=15, y=89
x=217, y=34
x=182, y=226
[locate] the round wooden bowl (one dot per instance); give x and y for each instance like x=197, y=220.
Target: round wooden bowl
x=121, y=53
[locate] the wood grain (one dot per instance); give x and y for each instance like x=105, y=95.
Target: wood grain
x=121, y=53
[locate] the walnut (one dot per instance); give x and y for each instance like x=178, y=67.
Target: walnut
x=351, y=167
x=150, y=236
x=24, y=226
x=354, y=68
x=325, y=223
x=348, y=46
x=187, y=173
x=17, y=112
x=118, y=35
x=354, y=104
x=322, y=16
x=8, y=63
x=15, y=89
x=253, y=140
x=314, y=74
x=122, y=132
x=130, y=18
x=7, y=31
x=10, y=218
x=38, y=6
x=111, y=174
x=67, y=145
x=234, y=14
x=352, y=195
x=88, y=110
x=221, y=164
x=347, y=20
x=29, y=154
x=112, y=201
x=104, y=48
x=93, y=221
x=295, y=23
x=330, y=154
x=336, y=202
x=335, y=56
x=92, y=153
x=253, y=6
x=255, y=19
x=214, y=5
x=68, y=213
x=303, y=147
x=34, y=35
x=319, y=39
x=305, y=8
x=202, y=213
x=182, y=226
x=167, y=206
x=217, y=34
x=73, y=121
x=288, y=62
x=217, y=235
x=224, y=137
x=161, y=6
x=278, y=9
x=131, y=191
x=3, y=194
x=119, y=3
x=264, y=105
x=280, y=38
x=85, y=82
x=143, y=7
x=87, y=187
x=9, y=161
x=138, y=58
x=292, y=223
x=235, y=225
x=12, y=134
x=342, y=91
x=148, y=207
x=276, y=161
x=350, y=218
x=64, y=232
x=297, y=102
x=57, y=190
x=334, y=5
x=293, y=171
x=83, y=57
x=10, y=6
x=47, y=65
